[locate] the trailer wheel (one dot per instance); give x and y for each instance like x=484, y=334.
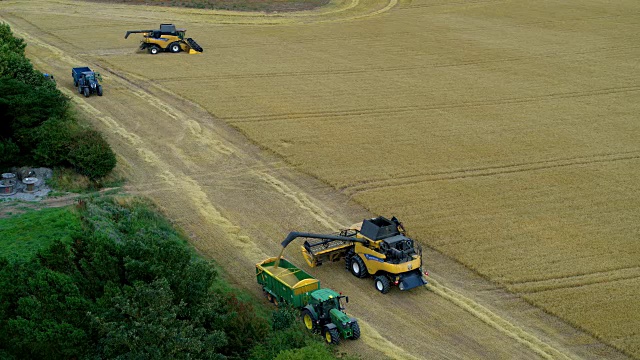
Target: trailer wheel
x=358, y=268
x=382, y=284
x=269, y=297
x=154, y=49
x=332, y=336
x=308, y=320
x=275, y=301
x=356, y=331
x=79, y=89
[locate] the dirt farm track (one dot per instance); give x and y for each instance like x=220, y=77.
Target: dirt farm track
x=504, y=134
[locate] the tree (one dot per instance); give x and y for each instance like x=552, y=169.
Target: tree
x=91, y=155
x=8, y=42
x=53, y=142
x=43, y=313
x=141, y=322
x=9, y=151
x=23, y=110
x=239, y=321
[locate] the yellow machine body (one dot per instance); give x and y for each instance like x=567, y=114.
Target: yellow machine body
x=378, y=247
x=167, y=38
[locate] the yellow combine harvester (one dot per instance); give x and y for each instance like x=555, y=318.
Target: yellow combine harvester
x=378, y=247
x=167, y=38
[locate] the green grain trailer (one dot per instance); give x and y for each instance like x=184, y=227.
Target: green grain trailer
x=286, y=283
x=321, y=309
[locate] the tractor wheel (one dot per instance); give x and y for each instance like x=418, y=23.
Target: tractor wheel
x=99, y=90
x=308, y=320
x=154, y=49
x=356, y=331
x=332, y=336
x=86, y=92
x=358, y=268
x=382, y=284
x=174, y=47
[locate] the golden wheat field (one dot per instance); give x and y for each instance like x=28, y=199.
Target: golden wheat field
x=504, y=134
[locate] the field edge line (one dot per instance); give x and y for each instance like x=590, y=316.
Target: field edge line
x=494, y=320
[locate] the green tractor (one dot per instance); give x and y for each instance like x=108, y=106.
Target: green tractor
x=324, y=313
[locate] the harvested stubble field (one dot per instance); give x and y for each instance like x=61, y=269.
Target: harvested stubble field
x=503, y=133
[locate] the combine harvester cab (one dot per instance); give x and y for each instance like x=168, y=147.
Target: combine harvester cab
x=321, y=309
x=167, y=38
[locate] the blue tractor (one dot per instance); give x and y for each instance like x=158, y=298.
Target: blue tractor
x=87, y=81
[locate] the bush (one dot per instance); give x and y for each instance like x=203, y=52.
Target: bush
x=292, y=338
x=283, y=318
x=54, y=140
x=91, y=155
x=314, y=351
x=243, y=328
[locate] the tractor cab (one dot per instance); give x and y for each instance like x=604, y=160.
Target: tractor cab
x=89, y=76
x=327, y=299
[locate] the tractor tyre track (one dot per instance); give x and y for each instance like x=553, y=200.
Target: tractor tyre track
x=491, y=171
